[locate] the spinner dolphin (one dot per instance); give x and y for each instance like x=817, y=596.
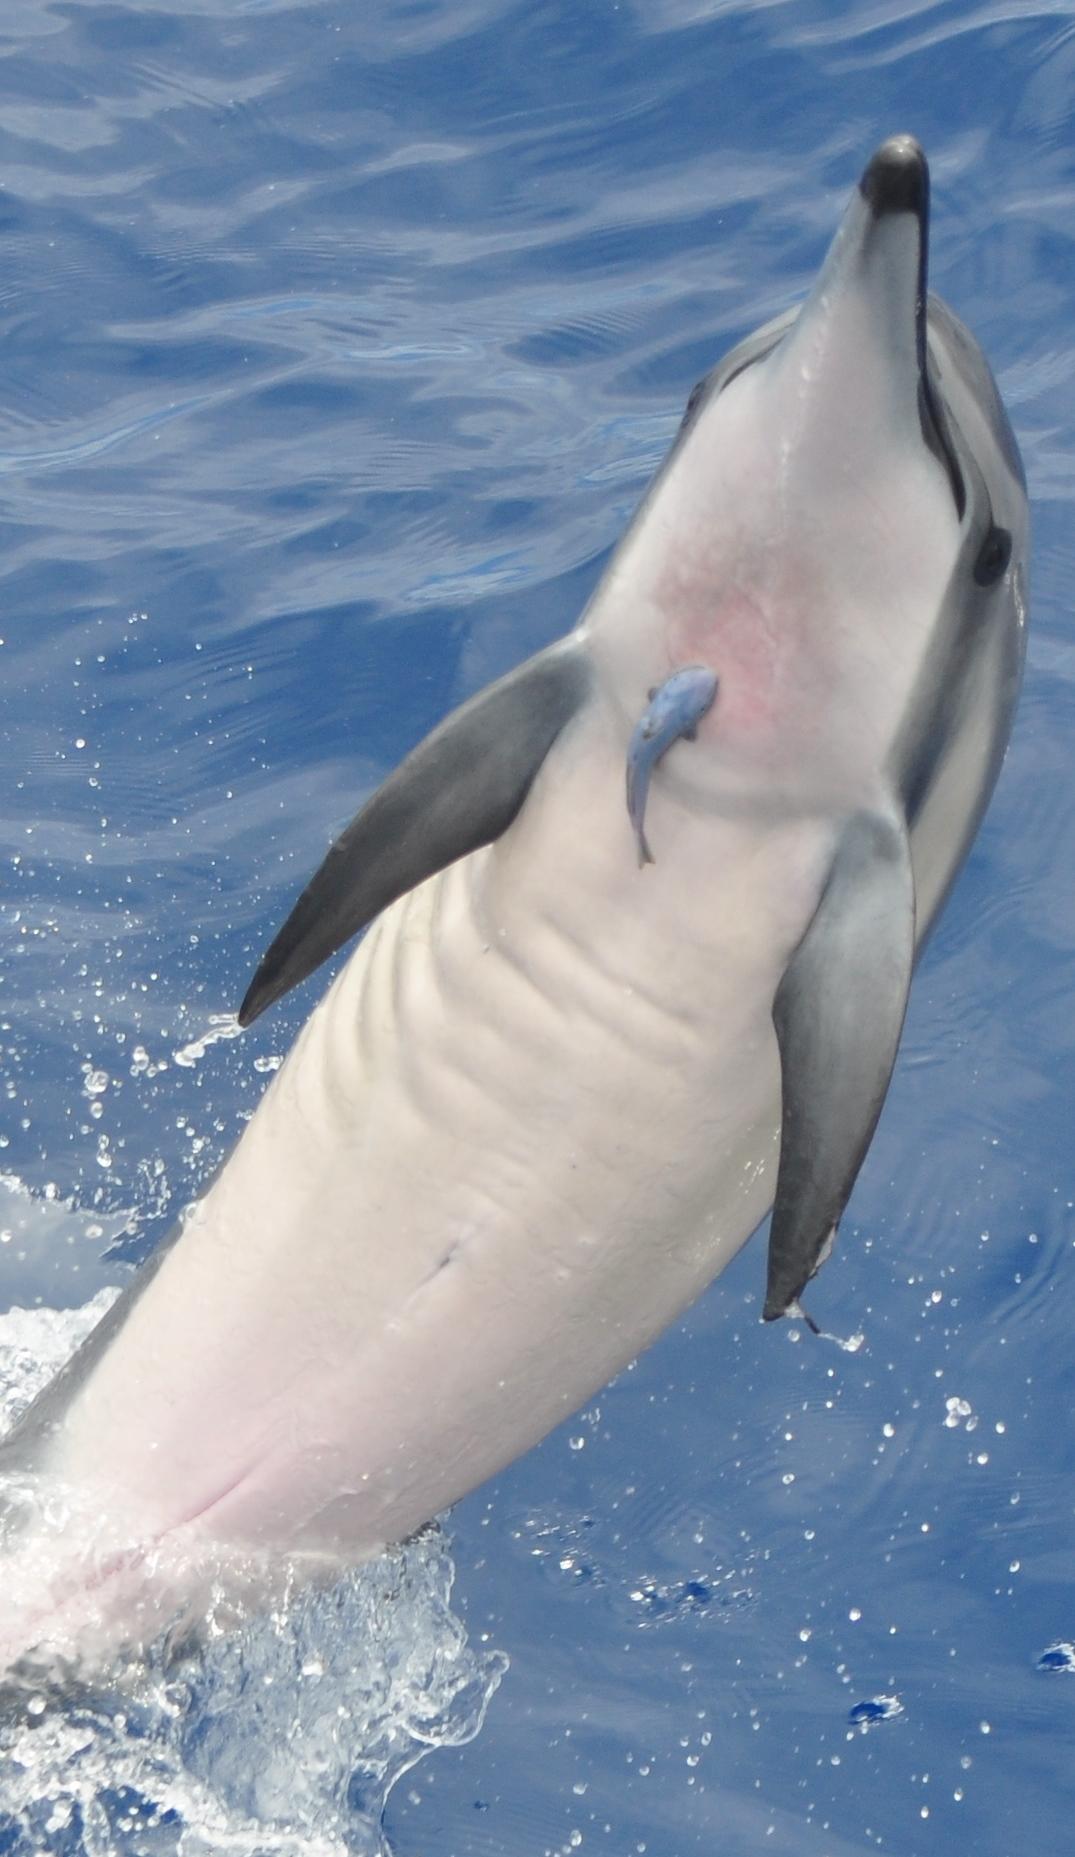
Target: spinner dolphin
x=553, y=1092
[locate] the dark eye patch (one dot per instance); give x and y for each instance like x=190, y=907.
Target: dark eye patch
x=993, y=556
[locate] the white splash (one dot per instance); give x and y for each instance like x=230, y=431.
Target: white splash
x=851, y=1344
x=222, y=1025
x=274, y=1732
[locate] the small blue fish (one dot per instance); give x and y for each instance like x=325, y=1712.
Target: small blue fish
x=675, y=709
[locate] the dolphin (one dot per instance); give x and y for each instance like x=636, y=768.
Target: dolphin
x=551, y=1095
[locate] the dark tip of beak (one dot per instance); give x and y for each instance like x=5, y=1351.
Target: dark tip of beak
x=897, y=179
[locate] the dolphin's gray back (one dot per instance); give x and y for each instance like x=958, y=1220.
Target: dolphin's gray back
x=949, y=758
x=966, y=379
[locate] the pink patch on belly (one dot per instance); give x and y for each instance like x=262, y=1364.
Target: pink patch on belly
x=735, y=637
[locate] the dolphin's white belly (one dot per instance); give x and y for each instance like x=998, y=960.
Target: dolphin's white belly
x=534, y=1116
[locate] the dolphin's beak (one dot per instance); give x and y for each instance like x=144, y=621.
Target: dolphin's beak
x=858, y=346
x=866, y=314
x=896, y=181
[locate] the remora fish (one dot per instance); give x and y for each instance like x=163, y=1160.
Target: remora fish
x=550, y=1096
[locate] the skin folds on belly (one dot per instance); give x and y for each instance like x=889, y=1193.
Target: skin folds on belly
x=503, y=1155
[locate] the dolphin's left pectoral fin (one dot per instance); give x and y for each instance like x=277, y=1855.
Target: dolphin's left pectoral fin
x=838, y=1015
x=459, y=789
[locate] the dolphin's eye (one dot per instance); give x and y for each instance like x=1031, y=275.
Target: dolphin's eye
x=993, y=556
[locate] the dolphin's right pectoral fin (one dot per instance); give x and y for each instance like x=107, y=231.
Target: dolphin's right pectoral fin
x=838, y=1015
x=459, y=789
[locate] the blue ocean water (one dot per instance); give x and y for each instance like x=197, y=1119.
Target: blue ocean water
x=337, y=344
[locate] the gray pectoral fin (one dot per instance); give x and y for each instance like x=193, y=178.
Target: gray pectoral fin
x=838, y=1014
x=460, y=788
